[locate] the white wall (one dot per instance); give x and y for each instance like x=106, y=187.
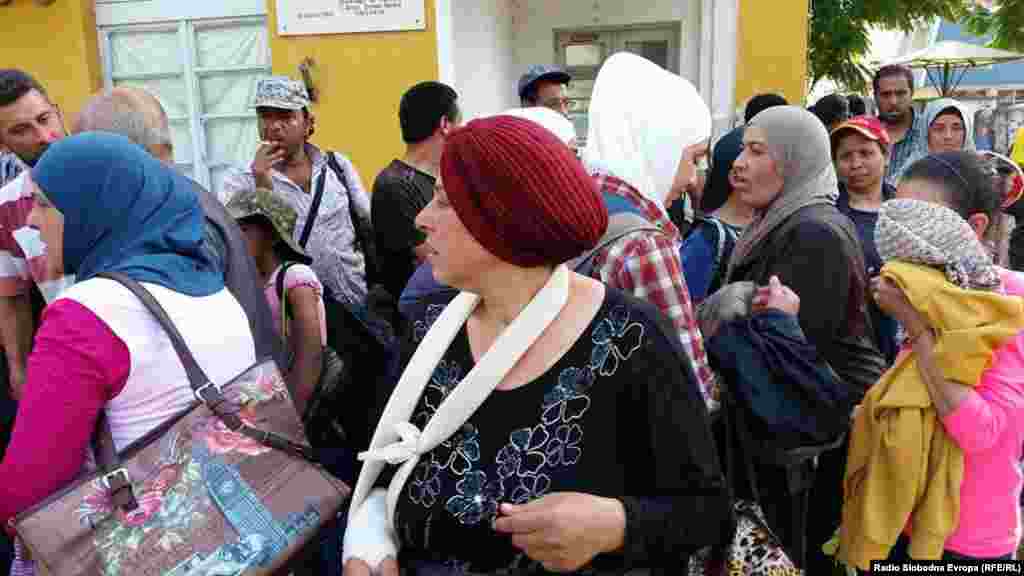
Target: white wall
x=485, y=45
x=482, y=53
x=536, y=21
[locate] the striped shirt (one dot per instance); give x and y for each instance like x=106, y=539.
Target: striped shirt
x=648, y=267
x=22, y=251
x=10, y=167
x=914, y=144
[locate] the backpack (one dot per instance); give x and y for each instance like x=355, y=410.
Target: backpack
x=363, y=339
x=363, y=228
x=321, y=417
x=381, y=306
x=624, y=219
x=725, y=240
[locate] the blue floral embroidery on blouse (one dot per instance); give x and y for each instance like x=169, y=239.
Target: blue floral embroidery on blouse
x=464, y=450
x=445, y=378
x=425, y=483
x=524, y=453
x=607, y=354
x=530, y=487
x=568, y=400
x=476, y=499
x=563, y=449
x=523, y=465
x=421, y=327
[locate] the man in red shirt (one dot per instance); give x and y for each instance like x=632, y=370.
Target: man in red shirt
x=29, y=123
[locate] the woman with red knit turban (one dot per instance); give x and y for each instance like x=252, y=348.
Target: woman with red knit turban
x=543, y=422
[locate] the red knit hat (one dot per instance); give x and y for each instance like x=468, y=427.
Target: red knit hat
x=521, y=192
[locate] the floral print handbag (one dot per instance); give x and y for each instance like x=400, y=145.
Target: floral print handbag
x=753, y=549
x=228, y=487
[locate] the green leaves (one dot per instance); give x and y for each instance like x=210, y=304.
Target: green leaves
x=839, y=32
x=1005, y=24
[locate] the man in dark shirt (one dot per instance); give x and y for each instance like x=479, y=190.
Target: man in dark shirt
x=427, y=113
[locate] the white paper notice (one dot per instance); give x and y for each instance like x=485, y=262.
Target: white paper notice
x=297, y=17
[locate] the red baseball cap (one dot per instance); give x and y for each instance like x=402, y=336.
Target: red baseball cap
x=869, y=127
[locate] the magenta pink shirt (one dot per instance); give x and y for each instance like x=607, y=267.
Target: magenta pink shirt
x=77, y=365
x=989, y=428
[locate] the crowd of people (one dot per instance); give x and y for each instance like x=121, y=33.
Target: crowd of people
x=526, y=352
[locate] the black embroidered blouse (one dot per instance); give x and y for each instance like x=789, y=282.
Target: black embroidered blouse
x=619, y=416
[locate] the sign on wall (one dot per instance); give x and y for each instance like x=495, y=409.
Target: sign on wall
x=298, y=17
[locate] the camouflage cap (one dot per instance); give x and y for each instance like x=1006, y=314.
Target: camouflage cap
x=280, y=92
x=261, y=203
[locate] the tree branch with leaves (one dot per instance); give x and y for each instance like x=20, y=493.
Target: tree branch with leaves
x=839, y=40
x=1004, y=23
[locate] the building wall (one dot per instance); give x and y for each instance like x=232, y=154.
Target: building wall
x=481, y=32
x=536, y=21
x=772, y=49
x=361, y=78
x=57, y=44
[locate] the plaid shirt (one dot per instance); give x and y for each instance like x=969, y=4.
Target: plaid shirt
x=648, y=267
x=913, y=146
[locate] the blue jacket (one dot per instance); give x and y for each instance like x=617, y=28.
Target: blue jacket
x=780, y=378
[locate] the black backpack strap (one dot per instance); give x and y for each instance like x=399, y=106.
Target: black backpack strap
x=205, y=390
x=726, y=241
x=314, y=209
x=620, y=225
x=279, y=288
x=362, y=227
x=332, y=161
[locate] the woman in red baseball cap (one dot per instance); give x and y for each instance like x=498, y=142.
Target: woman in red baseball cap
x=860, y=150
x=542, y=421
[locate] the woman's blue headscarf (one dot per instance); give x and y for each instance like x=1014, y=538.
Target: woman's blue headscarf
x=124, y=211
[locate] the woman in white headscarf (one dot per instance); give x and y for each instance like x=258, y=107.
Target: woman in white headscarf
x=948, y=127
x=643, y=119
x=799, y=243
x=647, y=129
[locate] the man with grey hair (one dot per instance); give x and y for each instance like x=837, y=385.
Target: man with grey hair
x=138, y=116
x=133, y=113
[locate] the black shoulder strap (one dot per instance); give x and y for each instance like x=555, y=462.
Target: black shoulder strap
x=279, y=288
x=726, y=242
x=332, y=161
x=362, y=227
x=205, y=390
x=620, y=225
x=720, y=230
x=314, y=208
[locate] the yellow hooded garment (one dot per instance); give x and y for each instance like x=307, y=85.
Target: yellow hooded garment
x=901, y=465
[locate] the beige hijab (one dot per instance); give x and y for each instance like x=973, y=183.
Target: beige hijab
x=799, y=144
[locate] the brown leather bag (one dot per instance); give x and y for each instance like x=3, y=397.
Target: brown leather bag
x=227, y=487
